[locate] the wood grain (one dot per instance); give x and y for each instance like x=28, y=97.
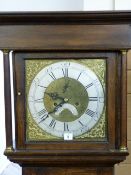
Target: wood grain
x=7, y=96
x=61, y=37
x=67, y=171
x=124, y=100
x=59, y=171
x=72, y=17
x=125, y=167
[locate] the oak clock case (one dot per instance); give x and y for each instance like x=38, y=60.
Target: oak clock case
x=40, y=41
x=65, y=98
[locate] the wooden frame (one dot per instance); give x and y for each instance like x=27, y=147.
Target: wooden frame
x=19, y=59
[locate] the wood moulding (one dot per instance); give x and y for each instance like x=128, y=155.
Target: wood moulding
x=56, y=31
x=102, y=17
x=56, y=158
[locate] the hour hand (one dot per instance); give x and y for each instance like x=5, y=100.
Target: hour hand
x=54, y=95
x=57, y=107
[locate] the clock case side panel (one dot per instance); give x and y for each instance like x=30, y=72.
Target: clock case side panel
x=121, y=101
x=19, y=100
x=21, y=143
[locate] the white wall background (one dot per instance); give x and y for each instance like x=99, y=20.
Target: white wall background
x=122, y=4
x=41, y=5
x=98, y=5
x=64, y=5
x=45, y=5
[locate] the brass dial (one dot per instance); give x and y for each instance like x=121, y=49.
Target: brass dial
x=66, y=97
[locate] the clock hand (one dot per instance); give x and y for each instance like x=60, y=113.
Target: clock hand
x=54, y=95
x=57, y=107
x=66, y=86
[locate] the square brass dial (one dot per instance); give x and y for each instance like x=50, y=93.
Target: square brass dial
x=33, y=131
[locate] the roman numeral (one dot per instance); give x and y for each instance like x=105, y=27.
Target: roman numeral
x=52, y=123
x=89, y=85
x=93, y=98
x=65, y=72
x=42, y=112
x=81, y=123
x=43, y=118
x=52, y=75
x=96, y=82
x=66, y=128
x=79, y=76
x=90, y=112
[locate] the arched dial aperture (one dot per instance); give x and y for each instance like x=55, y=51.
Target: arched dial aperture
x=66, y=97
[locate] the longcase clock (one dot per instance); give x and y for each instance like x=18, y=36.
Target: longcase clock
x=69, y=84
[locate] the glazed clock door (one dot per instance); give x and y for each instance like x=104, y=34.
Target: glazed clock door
x=64, y=98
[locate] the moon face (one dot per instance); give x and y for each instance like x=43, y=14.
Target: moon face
x=68, y=107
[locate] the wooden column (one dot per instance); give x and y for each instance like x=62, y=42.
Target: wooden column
x=7, y=95
x=123, y=144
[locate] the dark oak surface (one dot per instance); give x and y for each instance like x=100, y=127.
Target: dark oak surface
x=7, y=94
x=70, y=153
x=67, y=171
x=72, y=17
x=65, y=37
x=65, y=30
x=71, y=34
x=124, y=100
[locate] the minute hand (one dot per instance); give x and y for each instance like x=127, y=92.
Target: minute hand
x=57, y=107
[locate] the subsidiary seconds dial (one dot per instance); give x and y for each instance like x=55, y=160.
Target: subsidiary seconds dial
x=66, y=97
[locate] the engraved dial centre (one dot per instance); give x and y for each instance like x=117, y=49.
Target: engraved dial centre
x=70, y=102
